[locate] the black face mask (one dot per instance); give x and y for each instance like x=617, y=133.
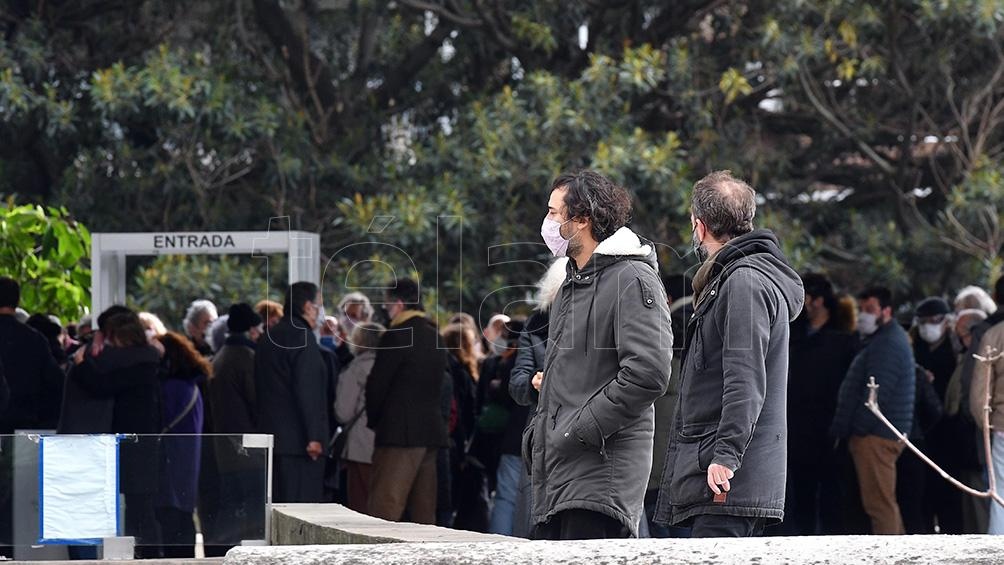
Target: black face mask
x=699, y=250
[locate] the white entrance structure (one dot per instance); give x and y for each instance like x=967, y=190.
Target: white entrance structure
x=109, y=252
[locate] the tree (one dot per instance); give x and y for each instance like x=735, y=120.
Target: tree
x=169, y=284
x=872, y=131
x=47, y=252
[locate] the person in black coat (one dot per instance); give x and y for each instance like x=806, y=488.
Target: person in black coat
x=4, y=389
x=469, y=496
x=291, y=381
x=234, y=404
x=949, y=441
x=913, y=477
x=123, y=366
x=34, y=378
x=496, y=371
x=820, y=352
x=529, y=361
x=403, y=406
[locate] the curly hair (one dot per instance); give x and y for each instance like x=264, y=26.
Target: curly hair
x=589, y=194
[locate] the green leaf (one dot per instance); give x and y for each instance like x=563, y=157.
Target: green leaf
x=733, y=85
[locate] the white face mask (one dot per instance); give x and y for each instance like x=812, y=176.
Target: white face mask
x=550, y=231
x=319, y=323
x=931, y=333
x=867, y=323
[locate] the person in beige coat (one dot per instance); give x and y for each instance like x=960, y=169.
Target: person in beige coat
x=350, y=411
x=992, y=343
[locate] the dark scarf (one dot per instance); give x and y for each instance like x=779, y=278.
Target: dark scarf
x=753, y=243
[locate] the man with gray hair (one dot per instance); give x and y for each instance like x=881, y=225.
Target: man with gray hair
x=725, y=465
x=200, y=316
x=353, y=309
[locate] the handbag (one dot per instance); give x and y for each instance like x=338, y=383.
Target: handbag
x=184, y=413
x=339, y=440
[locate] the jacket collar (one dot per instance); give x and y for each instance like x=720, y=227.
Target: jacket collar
x=882, y=330
x=405, y=316
x=239, y=339
x=756, y=242
x=623, y=245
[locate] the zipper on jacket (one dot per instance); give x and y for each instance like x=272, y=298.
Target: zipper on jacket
x=589, y=313
x=554, y=417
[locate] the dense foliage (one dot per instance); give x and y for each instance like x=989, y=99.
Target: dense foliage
x=421, y=135
x=169, y=284
x=47, y=251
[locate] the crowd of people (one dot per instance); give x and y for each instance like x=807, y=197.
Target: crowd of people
x=624, y=404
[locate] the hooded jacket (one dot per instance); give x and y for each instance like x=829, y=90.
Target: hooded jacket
x=589, y=445
x=733, y=386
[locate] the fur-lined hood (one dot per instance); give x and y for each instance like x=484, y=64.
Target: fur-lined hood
x=623, y=243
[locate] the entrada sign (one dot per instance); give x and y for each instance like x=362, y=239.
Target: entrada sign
x=192, y=241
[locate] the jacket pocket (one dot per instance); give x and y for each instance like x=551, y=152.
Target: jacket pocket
x=526, y=444
x=695, y=354
x=587, y=430
x=701, y=439
x=691, y=454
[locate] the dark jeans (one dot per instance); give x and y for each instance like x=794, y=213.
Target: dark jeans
x=911, y=494
x=656, y=530
x=721, y=526
x=581, y=525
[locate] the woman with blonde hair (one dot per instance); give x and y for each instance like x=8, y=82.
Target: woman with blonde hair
x=152, y=324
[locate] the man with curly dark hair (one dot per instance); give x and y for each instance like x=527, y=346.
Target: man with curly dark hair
x=589, y=447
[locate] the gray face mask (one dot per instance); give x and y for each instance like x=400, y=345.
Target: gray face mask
x=699, y=250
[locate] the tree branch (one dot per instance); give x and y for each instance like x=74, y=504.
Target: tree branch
x=402, y=74
x=308, y=71
x=443, y=12
x=841, y=127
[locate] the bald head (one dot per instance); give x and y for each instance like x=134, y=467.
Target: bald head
x=726, y=205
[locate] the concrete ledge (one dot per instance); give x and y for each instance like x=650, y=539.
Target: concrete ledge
x=309, y=524
x=207, y=561
x=864, y=550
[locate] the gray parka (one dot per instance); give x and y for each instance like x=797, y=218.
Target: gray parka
x=733, y=389
x=589, y=445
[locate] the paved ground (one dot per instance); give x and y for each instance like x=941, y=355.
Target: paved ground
x=856, y=550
